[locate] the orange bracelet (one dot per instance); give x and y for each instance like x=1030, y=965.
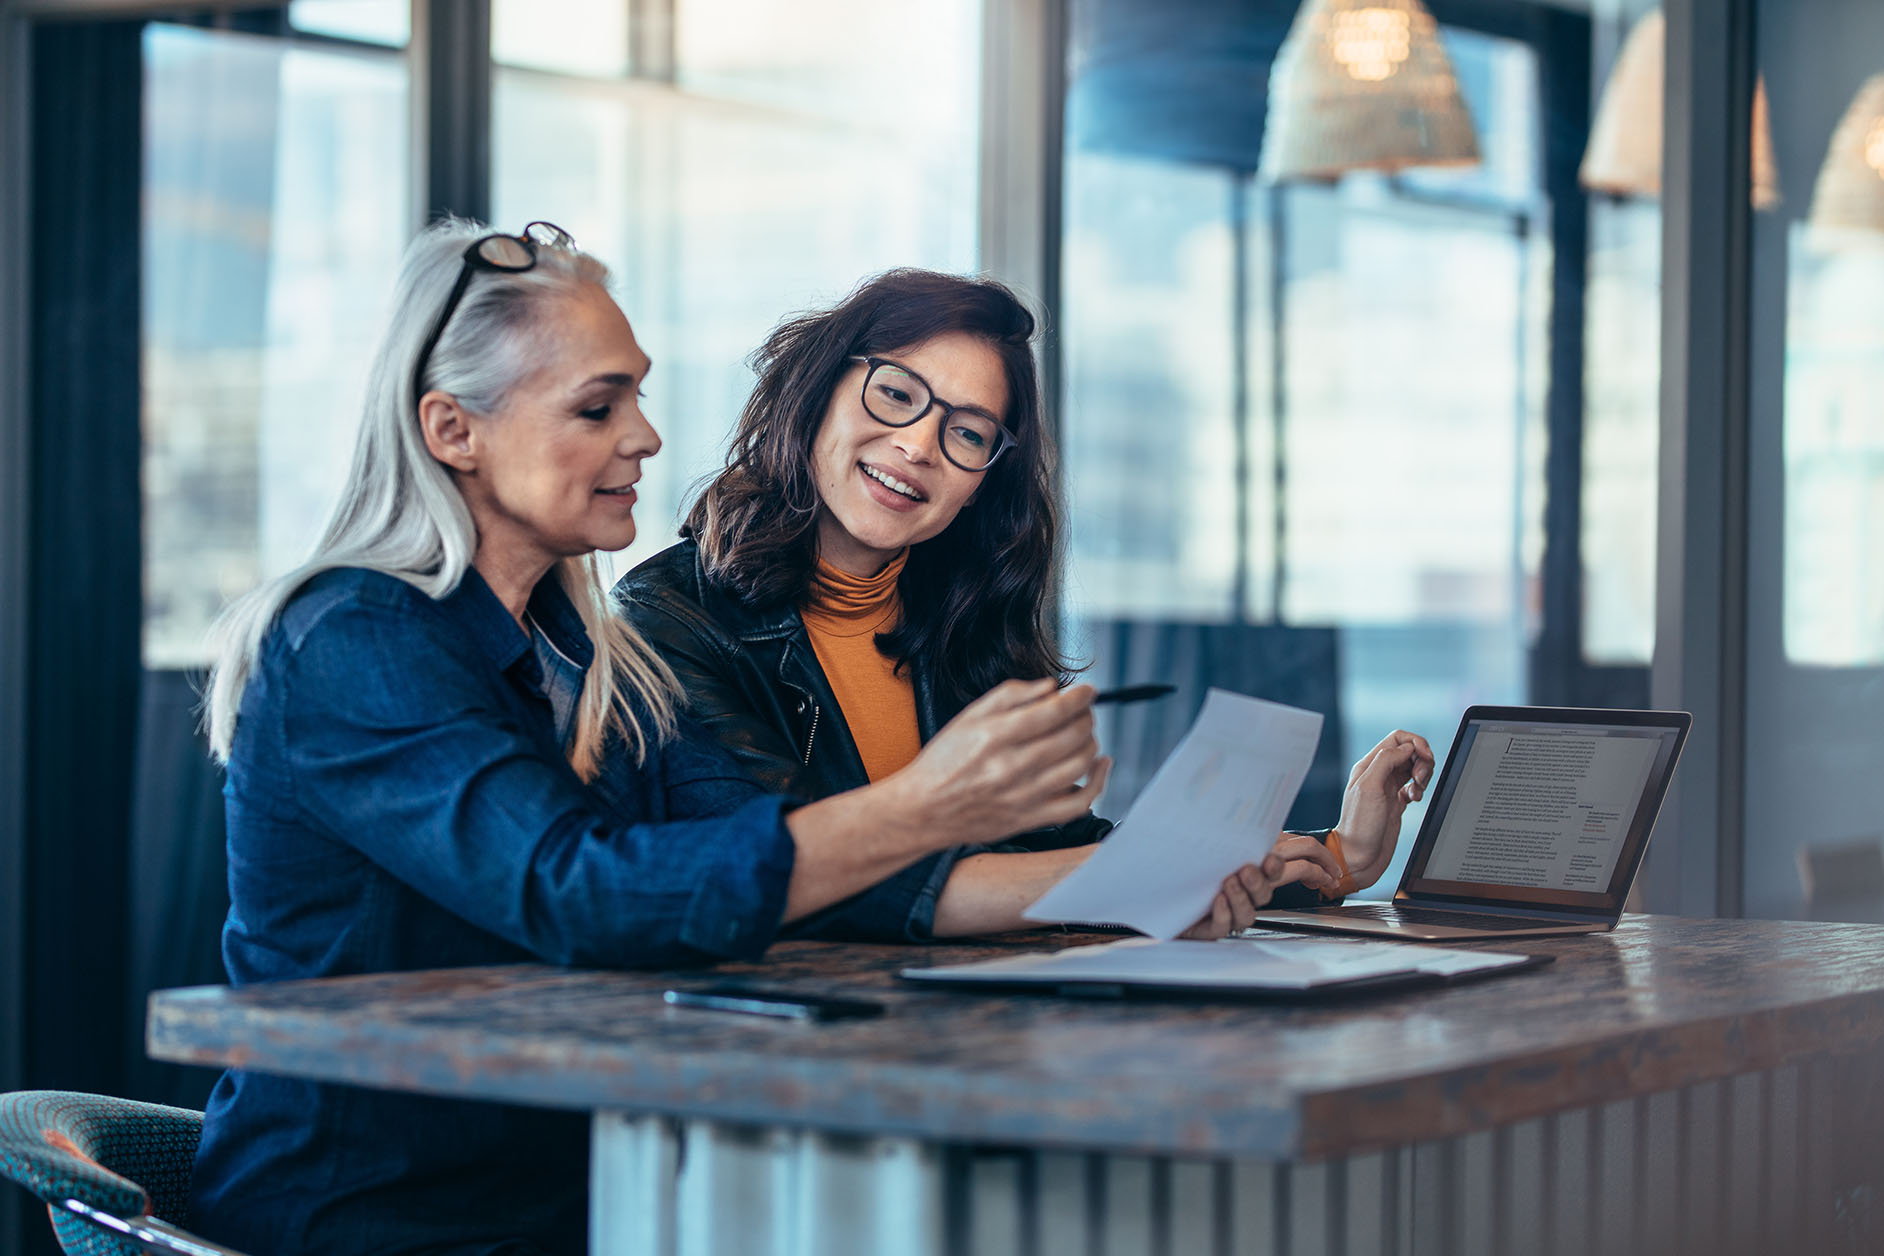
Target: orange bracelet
x=1345, y=886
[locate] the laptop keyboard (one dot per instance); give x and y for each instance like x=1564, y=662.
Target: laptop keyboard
x=1439, y=916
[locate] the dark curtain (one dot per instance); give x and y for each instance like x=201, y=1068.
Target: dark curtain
x=179, y=869
x=83, y=626
x=1295, y=666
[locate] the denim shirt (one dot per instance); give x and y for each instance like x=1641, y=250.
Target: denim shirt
x=398, y=798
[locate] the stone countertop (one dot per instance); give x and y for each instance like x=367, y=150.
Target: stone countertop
x=1661, y=1002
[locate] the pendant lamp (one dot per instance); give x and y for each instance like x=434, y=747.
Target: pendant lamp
x=1850, y=187
x=1624, y=157
x=1363, y=84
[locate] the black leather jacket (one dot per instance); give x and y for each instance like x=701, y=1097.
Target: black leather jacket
x=750, y=678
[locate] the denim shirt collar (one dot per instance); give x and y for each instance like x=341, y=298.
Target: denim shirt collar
x=488, y=622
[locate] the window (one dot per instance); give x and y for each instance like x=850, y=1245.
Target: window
x=1300, y=420
x=1621, y=429
x=1815, y=469
x=275, y=209
x=1834, y=450
x=729, y=177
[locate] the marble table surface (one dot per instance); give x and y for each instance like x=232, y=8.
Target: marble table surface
x=1661, y=1002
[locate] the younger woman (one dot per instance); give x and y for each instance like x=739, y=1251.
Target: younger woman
x=878, y=552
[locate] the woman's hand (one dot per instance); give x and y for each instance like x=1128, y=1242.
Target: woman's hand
x=1012, y=760
x=1295, y=858
x=1392, y=775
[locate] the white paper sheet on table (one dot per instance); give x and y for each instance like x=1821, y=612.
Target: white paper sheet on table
x=1292, y=963
x=1141, y=961
x=1216, y=803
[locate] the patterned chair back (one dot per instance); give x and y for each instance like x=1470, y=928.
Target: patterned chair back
x=121, y=1158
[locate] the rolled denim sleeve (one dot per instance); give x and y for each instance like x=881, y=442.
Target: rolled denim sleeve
x=700, y=777
x=900, y=908
x=703, y=775
x=423, y=774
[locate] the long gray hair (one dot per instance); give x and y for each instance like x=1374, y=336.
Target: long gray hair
x=401, y=514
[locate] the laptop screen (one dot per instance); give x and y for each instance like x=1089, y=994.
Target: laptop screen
x=1545, y=808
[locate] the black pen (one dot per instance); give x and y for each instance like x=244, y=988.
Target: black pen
x=1134, y=693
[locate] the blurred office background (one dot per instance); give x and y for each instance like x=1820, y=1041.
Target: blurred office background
x=1590, y=418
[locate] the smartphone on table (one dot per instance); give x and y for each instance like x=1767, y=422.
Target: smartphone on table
x=733, y=996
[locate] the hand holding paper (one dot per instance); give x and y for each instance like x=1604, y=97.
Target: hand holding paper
x=1214, y=805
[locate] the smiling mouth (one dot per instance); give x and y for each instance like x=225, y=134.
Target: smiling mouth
x=892, y=483
x=622, y=491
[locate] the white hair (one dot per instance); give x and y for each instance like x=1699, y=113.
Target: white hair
x=402, y=514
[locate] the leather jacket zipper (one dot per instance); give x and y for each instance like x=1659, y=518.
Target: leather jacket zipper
x=812, y=736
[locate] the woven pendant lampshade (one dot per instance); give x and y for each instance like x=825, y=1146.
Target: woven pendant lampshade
x=1363, y=84
x=1850, y=187
x=1624, y=157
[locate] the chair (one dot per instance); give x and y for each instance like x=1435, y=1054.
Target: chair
x=108, y=1169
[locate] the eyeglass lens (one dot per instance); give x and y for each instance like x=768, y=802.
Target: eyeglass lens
x=894, y=396
x=505, y=253
x=550, y=234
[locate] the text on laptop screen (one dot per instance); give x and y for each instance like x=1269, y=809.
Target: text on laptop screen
x=1549, y=814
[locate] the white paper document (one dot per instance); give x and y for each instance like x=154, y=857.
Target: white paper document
x=1217, y=803
x=1231, y=964
x=1441, y=961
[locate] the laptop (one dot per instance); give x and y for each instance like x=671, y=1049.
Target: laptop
x=1537, y=826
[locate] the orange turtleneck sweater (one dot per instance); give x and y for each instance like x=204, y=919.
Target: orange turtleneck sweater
x=843, y=617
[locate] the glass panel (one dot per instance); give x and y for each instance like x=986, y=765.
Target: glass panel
x=275, y=208
x=1834, y=449
x=1621, y=430
x=563, y=36
x=1390, y=308
x=1622, y=329
x=1815, y=579
x=1348, y=513
x=1150, y=462
x=916, y=64
x=387, y=22
x=749, y=188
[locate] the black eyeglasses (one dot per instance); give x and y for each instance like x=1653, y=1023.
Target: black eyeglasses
x=896, y=396
x=511, y=254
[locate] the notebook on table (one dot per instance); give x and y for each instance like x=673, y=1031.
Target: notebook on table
x=1537, y=826
x=1289, y=967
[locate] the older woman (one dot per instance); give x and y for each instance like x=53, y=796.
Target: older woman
x=444, y=749
x=879, y=551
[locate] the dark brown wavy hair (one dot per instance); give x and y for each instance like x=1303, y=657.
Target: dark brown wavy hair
x=975, y=597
